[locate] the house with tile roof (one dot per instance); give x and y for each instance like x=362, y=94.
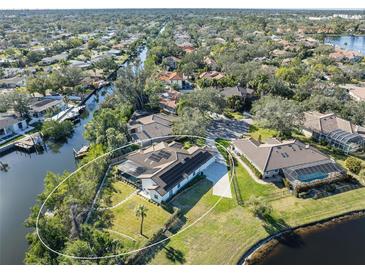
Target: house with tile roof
x=301, y=164
x=172, y=78
x=168, y=101
x=161, y=170
x=336, y=131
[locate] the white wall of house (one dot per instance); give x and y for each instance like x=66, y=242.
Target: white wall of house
x=14, y=128
x=158, y=198
x=271, y=173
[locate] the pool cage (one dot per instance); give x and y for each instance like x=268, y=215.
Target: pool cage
x=345, y=141
x=305, y=176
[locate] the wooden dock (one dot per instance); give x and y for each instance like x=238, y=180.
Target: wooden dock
x=30, y=142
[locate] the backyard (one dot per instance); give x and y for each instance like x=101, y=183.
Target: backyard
x=233, y=229
x=125, y=225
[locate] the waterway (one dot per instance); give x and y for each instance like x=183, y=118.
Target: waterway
x=21, y=184
x=342, y=243
x=349, y=42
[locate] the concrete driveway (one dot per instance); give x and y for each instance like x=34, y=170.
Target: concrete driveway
x=217, y=173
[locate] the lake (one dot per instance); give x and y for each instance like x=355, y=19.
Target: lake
x=20, y=186
x=342, y=243
x=348, y=42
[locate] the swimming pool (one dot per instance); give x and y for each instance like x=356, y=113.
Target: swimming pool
x=312, y=176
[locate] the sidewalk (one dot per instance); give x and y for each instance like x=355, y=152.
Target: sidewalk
x=248, y=169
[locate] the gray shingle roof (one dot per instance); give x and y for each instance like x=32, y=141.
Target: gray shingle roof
x=278, y=155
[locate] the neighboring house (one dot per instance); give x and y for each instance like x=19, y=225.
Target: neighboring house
x=54, y=59
x=245, y=93
x=40, y=106
x=337, y=132
x=345, y=55
x=299, y=163
x=142, y=128
x=17, y=81
x=80, y=64
x=187, y=48
x=172, y=78
x=211, y=75
x=171, y=62
x=356, y=92
x=162, y=169
x=168, y=101
x=114, y=52
x=10, y=125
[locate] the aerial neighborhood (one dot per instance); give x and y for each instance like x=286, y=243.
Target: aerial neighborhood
x=257, y=119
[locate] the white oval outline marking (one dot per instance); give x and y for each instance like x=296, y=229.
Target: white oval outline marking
x=145, y=247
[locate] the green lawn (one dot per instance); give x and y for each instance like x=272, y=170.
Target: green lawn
x=125, y=220
x=257, y=132
x=223, y=235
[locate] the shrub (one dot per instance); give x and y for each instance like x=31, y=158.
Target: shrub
x=259, y=207
x=353, y=164
x=57, y=131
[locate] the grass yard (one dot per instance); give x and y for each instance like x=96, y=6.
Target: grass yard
x=125, y=220
x=223, y=235
x=257, y=132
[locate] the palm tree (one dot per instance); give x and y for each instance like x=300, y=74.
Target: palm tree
x=141, y=212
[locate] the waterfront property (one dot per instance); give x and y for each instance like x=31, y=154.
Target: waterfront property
x=337, y=132
x=142, y=128
x=10, y=125
x=162, y=169
x=301, y=165
x=41, y=105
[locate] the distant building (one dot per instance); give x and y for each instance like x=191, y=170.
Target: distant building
x=171, y=62
x=356, y=92
x=245, y=93
x=161, y=170
x=337, y=132
x=54, y=59
x=14, y=82
x=168, y=101
x=211, y=75
x=300, y=164
x=346, y=55
x=10, y=124
x=172, y=78
x=142, y=128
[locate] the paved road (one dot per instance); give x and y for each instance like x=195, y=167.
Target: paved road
x=222, y=127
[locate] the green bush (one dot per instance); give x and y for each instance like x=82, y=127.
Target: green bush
x=353, y=164
x=57, y=131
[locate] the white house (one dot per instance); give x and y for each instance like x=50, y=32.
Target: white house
x=161, y=170
x=10, y=125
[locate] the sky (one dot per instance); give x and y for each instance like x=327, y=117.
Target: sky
x=80, y=4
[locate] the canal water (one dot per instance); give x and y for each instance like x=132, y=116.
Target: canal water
x=21, y=184
x=342, y=243
x=348, y=42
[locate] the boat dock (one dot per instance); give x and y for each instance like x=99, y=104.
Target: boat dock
x=30, y=142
